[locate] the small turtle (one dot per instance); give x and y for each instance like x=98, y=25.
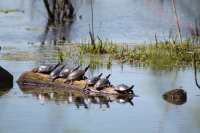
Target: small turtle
x=102, y=83
x=55, y=73
x=77, y=75
x=46, y=69
x=94, y=80
x=124, y=89
x=66, y=71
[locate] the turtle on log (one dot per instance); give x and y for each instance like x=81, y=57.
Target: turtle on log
x=77, y=75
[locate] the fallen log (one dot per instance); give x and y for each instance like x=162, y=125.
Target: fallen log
x=41, y=81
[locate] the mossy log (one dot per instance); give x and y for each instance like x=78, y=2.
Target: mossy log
x=30, y=80
x=176, y=96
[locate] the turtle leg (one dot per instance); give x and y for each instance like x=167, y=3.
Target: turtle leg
x=71, y=82
x=53, y=79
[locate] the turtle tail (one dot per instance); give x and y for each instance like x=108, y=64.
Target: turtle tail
x=130, y=88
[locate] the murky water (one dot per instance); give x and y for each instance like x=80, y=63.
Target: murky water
x=119, y=20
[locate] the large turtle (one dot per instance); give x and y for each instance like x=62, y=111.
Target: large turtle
x=93, y=81
x=124, y=89
x=46, y=69
x=102, y=83
x=66, y=71
x=76, y=75
x=55, y=73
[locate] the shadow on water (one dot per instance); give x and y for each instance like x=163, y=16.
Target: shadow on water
x=60, y=18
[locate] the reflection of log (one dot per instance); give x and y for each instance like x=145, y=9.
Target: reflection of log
x=6, y=79
x=39, y=80
x=176, y=96
x=74, y=97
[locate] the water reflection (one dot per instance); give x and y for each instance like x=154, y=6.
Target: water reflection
x=76, y=98
x=135, y=21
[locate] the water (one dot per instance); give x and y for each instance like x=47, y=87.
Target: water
x=23, y=112
x=131, y=21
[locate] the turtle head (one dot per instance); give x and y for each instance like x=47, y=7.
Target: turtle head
x=57, y=64
x=99, y=76
x=76, y=68
x=108, y=76
x=87, y=68
x=130, y=88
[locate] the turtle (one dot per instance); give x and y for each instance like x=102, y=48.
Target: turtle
x=66, y=71
x=93, y=81
x=77, y=75
x=124, y=89
x=46, y=69
x=55, y=73
x=102, y=83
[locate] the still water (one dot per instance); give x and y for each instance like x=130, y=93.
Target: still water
x=121, y=21
x=129, y=21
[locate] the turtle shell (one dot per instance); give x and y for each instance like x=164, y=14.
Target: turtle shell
x=76, y=75
x=65, y=72
x=94, y=80
x=122, y=87
x=47, y=68
x=56, y=72
x=102, y=83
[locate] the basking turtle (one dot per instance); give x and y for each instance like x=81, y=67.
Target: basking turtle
x=124, y=89
x=66, y=71
x=46, y=69
x=102, y=83
x=55, y=73
x=77, y=75
x=93, y=81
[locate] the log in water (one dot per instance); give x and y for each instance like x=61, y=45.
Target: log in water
x=41, y=81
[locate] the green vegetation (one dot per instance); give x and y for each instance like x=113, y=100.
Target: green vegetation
x=160, y=55
x=10, y=10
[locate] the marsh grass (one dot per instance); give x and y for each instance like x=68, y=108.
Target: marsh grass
x=168, y=54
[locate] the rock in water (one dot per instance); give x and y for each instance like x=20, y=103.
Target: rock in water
x=6, y=79
x=176, y=96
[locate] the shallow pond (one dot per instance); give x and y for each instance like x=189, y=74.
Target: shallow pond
x=23, y=112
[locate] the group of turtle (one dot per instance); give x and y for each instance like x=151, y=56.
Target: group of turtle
x=60, y=70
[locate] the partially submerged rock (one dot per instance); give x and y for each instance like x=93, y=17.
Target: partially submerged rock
x=176, y=96
x=6, y=79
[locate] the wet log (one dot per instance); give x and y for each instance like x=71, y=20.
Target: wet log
x=6, y=79
x=176, y=96
x=42, y=82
